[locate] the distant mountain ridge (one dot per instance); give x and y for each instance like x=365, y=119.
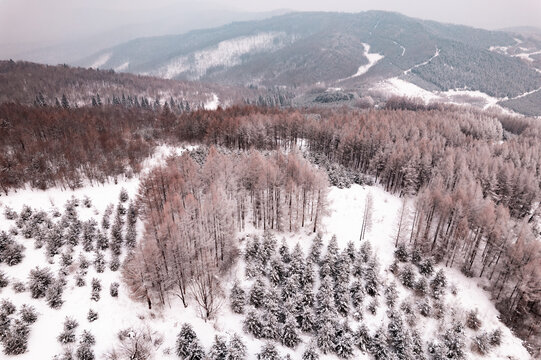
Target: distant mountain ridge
x=300, y=49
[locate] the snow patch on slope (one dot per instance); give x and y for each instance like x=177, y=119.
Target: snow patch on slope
x=123, y=66
x=101, y=60
x=213, y=103
x=227, y=53
x=373, y=59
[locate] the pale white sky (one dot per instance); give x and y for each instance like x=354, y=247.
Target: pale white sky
x=35, y=21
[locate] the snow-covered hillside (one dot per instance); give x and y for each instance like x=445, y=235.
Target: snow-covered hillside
x=226, y=54
x=161, y=326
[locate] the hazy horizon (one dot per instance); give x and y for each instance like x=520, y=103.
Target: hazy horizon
x=27, y=25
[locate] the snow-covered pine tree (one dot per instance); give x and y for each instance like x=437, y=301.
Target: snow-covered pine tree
x=438, y=284
x=99, y=261
x=288, y=333
x=310, y=353
x=283, y=250
x=68, y=334
x=257, y=293
x=391, y=294
x=218, y=350
x=343, y=342
x=39, y=281
x=54, y=294
x=113, y=290
x=16, y=340
x=407, y=276
x=356, y=292
x=89, y=234
x=362, y=339
x=268, y=352
x=102, y=242
x=252, y=324
x=378, y=345
x=398, y=339
x=96, y=288
x=237, y=349
x=28, y=314
x=187, y=345
x=316, y=248
x=237, y=298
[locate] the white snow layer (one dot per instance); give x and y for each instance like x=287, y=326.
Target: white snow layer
x=213, y=103
x=373, y=59
x=115, y=314
x=101, y=60
x=227, y=53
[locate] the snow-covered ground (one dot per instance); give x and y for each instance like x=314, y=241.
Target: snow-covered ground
x=344, y=221
x=399, y=87
x=213, y=103
x=373, y=59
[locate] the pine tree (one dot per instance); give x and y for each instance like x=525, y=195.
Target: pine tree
x=92, y=315
x=438, y=284
x=398, y=339
x=218, y=350
x=341, y=298
x=102, y=243
x=257, y=293
x=54, y=295
x=65, y=103
x=252, y=324
x=356, y=292
x=325, y=335
x=362, y=339
x=237, y=298
x=16, y=340
x=343, y=342
x=391, y=294
x=113, y=290
x=99, y=262
x=407, y=277
x=237, y=349
x=288, y=333
x=310, y=353
x=187, y=345
x=68, y=334
x=28, y=314
x=268, y=352
x=39, y=281
x=96, y=288
x=378, y=345
x=315, y=250
x=269, y=326
x=4, y=281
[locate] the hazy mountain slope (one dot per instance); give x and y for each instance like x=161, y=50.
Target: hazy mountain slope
x=309, y=48
x=23, y=81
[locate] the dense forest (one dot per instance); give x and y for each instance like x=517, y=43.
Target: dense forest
x=473, y=177
x=26, y=83
x=192, y=213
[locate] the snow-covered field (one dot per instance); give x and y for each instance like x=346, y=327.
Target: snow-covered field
x=115, y=314
x=398, y=87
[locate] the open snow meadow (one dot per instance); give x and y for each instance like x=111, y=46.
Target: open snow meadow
x=94, y=310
